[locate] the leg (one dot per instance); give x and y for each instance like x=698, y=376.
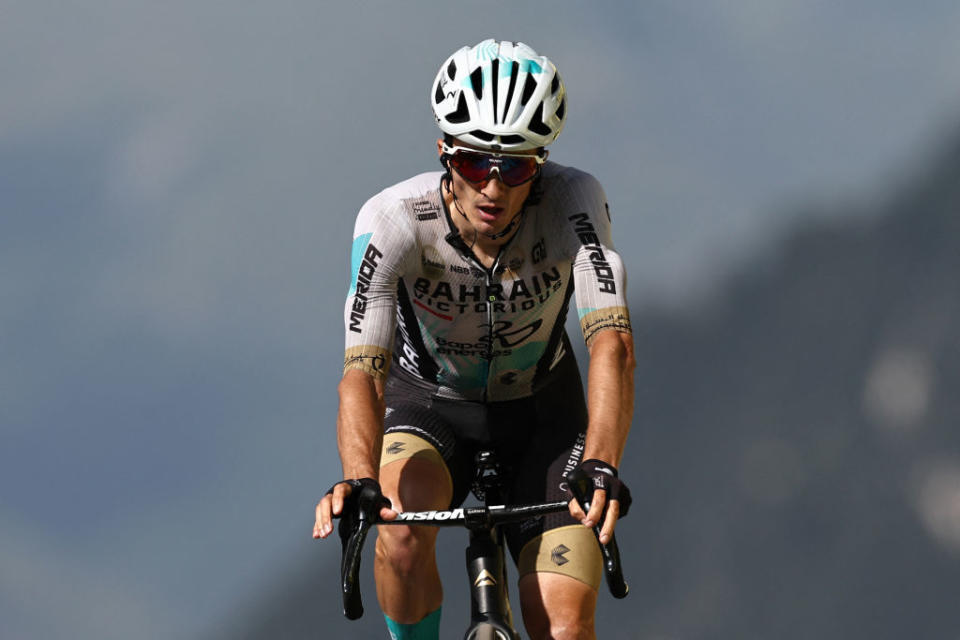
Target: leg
x=416, y=463
x=560, y=572
x=408, y=583
x=557, y=607
x=560, y=564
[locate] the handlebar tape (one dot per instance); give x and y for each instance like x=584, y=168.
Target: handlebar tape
x=360, y=511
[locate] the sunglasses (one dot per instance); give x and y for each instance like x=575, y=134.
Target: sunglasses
x=477, y=166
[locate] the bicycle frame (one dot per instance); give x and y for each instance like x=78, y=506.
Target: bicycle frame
x=489, y=602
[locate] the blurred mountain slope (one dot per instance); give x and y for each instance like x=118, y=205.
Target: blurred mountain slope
x=795, y=455
x=789, y=433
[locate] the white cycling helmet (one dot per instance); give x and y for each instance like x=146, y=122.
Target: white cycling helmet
x=500, y=96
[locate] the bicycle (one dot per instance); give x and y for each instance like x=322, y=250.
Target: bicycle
x=491, y=618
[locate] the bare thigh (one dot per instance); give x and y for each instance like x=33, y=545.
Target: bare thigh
x=557, y=607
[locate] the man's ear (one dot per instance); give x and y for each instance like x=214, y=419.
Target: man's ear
x=443, y=156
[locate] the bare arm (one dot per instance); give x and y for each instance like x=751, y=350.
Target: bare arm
x=360, y=424
x=610, y=407
x=359, y=439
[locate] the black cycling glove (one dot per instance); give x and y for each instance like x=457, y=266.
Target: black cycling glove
x=365, y=497
x=605, y=476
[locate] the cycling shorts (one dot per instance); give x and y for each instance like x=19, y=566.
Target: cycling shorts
x=536, y=441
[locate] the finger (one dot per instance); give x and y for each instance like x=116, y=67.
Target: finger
x=340, y=493
x=596, y=508
x=388, y=514
x=613, y=512
x=323, y=525
x=329, y=506
x=576, y=512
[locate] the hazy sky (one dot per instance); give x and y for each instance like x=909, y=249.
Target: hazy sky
x=178, y=182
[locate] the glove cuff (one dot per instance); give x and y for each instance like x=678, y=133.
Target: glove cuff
x=593, y=464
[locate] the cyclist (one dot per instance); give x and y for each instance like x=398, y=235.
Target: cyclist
x=455, y=342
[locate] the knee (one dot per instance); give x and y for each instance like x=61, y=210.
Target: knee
x=559, y=620
x=560, y=629
x=405, y=549
x=576, y=631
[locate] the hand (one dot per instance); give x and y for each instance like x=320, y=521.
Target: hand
x=609, y=501
x=339, y=496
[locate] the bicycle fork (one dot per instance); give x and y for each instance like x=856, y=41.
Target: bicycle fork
x=489, y=597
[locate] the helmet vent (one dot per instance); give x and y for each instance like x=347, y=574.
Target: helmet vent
x=495, y=72
x=536, y=123
x=514, y=67
x=562, y=108
x=555, y=85
x=452, y=70
x=476, y=79
x=483, y=135
x=438, y=96
x=462, y=114
x=512, y=139
x=528, y=88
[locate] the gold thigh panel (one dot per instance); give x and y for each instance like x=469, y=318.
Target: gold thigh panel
x=571, y=551
x=401, y=446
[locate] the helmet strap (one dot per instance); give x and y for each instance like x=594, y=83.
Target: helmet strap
x=448, y=179
x=508, y=228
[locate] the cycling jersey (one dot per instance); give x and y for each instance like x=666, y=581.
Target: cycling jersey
x=420, y=297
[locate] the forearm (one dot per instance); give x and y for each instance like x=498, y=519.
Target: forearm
x=609, y=396
x=360, y=424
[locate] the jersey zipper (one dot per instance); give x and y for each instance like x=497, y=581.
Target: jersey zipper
x=468, y=254
x=488, y=358
x=488, y=280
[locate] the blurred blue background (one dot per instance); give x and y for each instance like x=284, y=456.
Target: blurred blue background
x=178, y=184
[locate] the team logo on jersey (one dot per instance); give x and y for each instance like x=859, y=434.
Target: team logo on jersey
x=365, y=263
x=497, y=339
x=407, y=357
x=523, y=294
x=515, y=263
x=432, y=262
x=590, y=240
x=471, y=271
x=539, y=252
x=425, y=210
x=503, y=332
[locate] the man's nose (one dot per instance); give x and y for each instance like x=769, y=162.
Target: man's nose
x=493, y=184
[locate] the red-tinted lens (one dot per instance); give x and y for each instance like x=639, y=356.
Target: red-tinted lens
x=516, y=170
x=476, y=167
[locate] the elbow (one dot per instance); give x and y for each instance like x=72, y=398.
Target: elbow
x=359, y=383
x=617, y=347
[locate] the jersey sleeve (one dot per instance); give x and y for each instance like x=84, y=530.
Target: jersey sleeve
x=382, y=244
x=600, y=280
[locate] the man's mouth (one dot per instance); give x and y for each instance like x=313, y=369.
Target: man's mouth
x=489, y=212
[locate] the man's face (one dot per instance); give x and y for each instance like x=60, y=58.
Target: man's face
x=489, y=205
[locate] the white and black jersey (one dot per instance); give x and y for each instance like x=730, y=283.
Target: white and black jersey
x=420, y=301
